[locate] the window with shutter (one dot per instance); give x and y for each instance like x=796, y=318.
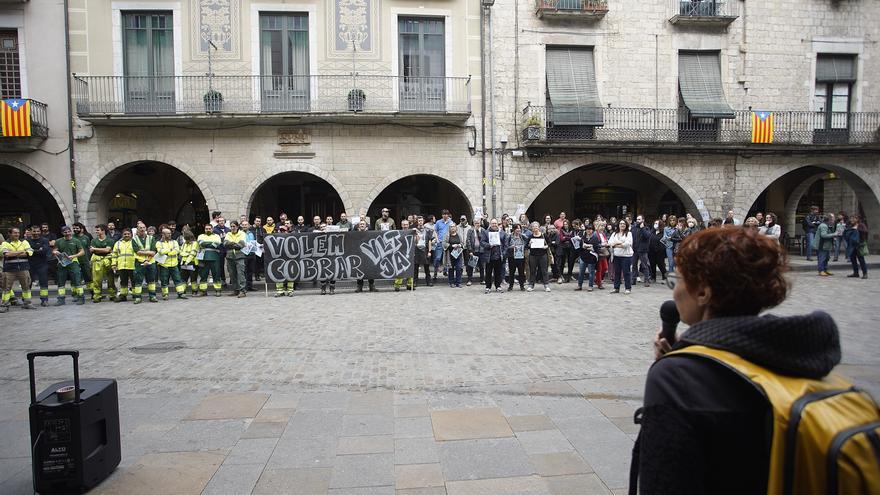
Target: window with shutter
x=699, y=83
x=572, y=93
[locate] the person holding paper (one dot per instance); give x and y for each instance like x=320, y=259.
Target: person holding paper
x=209, y=260
x=476, y=259
x=234, y=242
x=68, y=251
x=410, y=282
x=516, y=258
x=494, y=243
x=189, y=263
x=588, y=258
x=453, y=245
x=538, y=258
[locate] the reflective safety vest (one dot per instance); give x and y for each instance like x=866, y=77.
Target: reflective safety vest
x=123, y=255
x=148, y=243
x=209, y=247
x=171, y=250
x=188, y=254
x=102, y=260
x=16, y=264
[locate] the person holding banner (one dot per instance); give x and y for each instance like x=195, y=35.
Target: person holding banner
x=424, y=246
x=283, y=288
x=362, y=227
x=410, y=282
x=494, y=242
x=331, y=282
x=234, y=242
x=209, y=260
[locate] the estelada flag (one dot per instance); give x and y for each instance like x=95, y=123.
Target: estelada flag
x=762, y=127
x=15, y=117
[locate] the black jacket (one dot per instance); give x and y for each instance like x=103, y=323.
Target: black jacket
x=704, y=428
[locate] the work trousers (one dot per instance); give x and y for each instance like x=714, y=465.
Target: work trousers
x=206, y=267
x=23, y=277
x=40, y=273
x=126, y=278
x=235, y=268
x=70, y=272
x=493, y=273
x=538, y=266
x=513, y=265
x=172, y=274
x=144, y=273
x=101, y=271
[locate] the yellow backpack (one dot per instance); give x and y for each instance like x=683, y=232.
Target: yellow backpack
x=826, y=433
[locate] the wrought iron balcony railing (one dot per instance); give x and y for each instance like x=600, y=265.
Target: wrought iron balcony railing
x=660, y=126
x=704, y=11
x=102, y=96
x=572, y=8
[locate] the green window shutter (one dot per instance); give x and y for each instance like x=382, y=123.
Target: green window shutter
x=699, y=80
x=571, y=87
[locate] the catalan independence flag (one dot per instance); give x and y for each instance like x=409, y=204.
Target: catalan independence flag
x=15, y=117
x=762, y=127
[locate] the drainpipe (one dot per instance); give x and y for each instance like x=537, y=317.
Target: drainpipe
x=72, y=162
x=483, y=100
x=492, y=111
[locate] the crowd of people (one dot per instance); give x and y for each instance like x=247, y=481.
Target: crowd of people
x=116, y=264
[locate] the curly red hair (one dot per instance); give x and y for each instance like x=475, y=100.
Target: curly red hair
x=744, y=269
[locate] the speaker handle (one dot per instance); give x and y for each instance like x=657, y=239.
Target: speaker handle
x=73, y=354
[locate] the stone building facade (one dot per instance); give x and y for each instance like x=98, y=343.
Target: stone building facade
x=357, y=105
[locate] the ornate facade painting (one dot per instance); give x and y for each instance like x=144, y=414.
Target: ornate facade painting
x=217, y=22
x=354, y=27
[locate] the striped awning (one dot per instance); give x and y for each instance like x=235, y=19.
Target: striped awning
x=571, y=87
x=699, y=81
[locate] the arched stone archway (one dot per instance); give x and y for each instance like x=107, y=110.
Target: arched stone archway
x=95, y=188
x=388, y=180
x=61, y=206
x=670, y=178
x=421, y=194
x=295, y=193
x=248, y=195
x=793, y=199
x=865, y=185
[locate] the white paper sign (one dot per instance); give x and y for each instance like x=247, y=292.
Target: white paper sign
x=494, y=238
x=160, y=258
x=537, y=243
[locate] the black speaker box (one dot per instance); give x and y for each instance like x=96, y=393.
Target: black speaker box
x=74, y=440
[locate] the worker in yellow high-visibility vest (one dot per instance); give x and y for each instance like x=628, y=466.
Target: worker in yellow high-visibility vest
x=189, y=265
x=144, y=266
x=16, y=268
x=122, y=263
x=101, y=249
x=168, y=251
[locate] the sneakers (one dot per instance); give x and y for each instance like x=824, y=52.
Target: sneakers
x=589, y=289
x=522, y=287
x=164, y=297
x=4, y=308
x=279, y=294
x=153, y=299
x=578, y=288
x=615, y=291
x=396, y=289
x=182, y=296
x=44, y=303
x=60, y=302
x=865, y=276
x=242, y=294
x=626, y=291
x=80, y=301
x=853, y=275
x=824, y=274
x=499, y=289
x=359, y=289
x=546, y=288
x=488, y=290
x=468, y=284
x=530, y=289
x=137, y=300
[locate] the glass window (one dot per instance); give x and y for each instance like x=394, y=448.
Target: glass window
x=10, y=70
x=148, y=61
x=284, y=61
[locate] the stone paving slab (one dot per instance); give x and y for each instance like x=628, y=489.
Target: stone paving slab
x=330, y=407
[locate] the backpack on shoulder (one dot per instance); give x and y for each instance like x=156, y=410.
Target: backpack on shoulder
x=826, y=433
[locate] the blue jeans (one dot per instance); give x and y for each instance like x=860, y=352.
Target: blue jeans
x=455, y=267
x=810, y=236
x=622, y=266
x=584, y=267
x=822, y=257
x=838, y=243
x=670, y=255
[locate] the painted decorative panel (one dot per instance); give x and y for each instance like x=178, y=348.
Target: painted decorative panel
x=216, y=21
x=355, y=29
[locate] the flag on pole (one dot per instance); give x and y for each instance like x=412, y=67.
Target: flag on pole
x=762, y=127
x=15, y=117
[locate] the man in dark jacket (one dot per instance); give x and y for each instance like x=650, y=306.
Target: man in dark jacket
x=656, y=251
x=641, y=236
x=40, y=262
x=811, y=225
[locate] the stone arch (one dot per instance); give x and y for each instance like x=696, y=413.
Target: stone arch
x=865, y=186
x=793, y=199
x=403, y=173
x=248, y=194
x=65, y=213
x=672, y=179
x=95, y=187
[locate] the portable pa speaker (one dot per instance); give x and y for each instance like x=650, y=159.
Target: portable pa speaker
x=74, y=432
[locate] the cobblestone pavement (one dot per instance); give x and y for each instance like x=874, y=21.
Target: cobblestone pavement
x=441, y=391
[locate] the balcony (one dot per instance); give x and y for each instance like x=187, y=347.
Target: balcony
x=203, y=100
x=588, y=10
x=704, y=12
x=656, y=130
x=39, y=132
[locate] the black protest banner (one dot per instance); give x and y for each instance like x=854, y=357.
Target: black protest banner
x=303, y=257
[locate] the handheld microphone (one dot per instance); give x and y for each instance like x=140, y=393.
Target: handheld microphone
x=670, y=317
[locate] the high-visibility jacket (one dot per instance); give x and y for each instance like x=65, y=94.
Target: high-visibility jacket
x=188, y=253
x=102, y=259
x=123, y=255
x=234, y=243
x=209, y=246
x=171, y=250
x=148, y=243
x=16, y=264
